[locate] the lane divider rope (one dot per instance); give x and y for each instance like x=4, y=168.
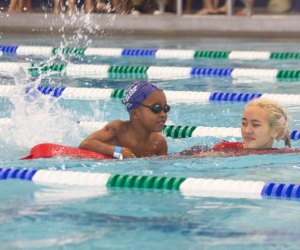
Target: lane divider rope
x=75, y=93
x=147, y=53
x=187, y=186
x=174, y=131
x=144, y=72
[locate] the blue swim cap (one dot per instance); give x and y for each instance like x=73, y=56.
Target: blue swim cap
x=137, y=93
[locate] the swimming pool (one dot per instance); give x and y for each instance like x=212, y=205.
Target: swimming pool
x=72, y=217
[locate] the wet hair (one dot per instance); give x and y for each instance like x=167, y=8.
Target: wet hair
x=137, y=93
x=276, y=116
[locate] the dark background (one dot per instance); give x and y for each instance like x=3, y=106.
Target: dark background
x=47, y=5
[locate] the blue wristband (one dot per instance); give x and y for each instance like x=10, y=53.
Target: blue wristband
x=117, y=153
x=118, y=149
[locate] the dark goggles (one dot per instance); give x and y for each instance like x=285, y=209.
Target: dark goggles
x=157, y=108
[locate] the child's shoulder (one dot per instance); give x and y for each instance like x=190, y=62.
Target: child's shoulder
x=160, y=144
x=158, y=137
x=116, y=125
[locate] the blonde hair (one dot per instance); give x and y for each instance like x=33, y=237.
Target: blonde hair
x=277, y=117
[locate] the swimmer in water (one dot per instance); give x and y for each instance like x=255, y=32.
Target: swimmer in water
x=141, y=135
x=263, y=122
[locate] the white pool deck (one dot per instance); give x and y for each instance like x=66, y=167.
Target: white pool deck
x=264, y=26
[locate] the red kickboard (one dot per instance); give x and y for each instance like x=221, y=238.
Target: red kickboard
x=49, y=150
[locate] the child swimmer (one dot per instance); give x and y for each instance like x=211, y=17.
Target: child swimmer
x=140, y=136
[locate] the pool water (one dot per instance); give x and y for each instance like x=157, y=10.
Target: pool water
x=70, y=217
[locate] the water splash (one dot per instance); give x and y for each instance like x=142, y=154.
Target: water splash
x=80, y=28
x=38, y=118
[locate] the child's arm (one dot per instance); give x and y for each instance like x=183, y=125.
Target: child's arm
x=102, y=140
x=105, y=140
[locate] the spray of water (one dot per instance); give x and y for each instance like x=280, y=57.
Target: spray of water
x=38, y=118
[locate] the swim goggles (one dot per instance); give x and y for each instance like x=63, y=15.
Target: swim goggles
x=157, y=108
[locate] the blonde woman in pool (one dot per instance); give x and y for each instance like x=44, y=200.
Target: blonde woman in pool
x=263, y=121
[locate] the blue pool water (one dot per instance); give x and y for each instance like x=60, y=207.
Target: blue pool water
x=64, y=217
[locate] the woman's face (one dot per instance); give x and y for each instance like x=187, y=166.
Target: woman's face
x=255, y=128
